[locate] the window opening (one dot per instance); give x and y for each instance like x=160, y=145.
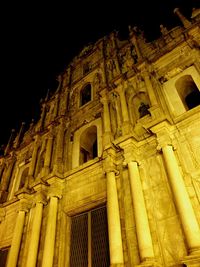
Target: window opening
x=188, y=91
x=88, y=145
x=85, y=95
x=3, y=256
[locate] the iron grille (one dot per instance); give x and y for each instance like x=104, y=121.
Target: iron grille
x=79, y=241
x=89, y=240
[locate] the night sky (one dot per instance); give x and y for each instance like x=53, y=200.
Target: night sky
x=38, y=40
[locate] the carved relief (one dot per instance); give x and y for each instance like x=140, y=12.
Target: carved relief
x=97, y=82
x=111, y=69
x=74, y=100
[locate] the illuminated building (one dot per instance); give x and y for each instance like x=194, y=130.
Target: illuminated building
x=110, y=173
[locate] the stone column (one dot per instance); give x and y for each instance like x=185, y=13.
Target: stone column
x=48, y=254
x=150, y=89
x=35, y=235
x=33, y=159
x=124, y=109
x=55, y=111
x=114, y=227
x=182, y=200
x=141, y=219
x=59, y=147
x=48, y=154
x=16, y=240
x=106, y=119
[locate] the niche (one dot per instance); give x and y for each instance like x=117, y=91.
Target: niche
x=188, y=92
x=88, y=145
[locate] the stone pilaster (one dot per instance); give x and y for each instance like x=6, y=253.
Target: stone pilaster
x=33, y=159
x=124, y=109
x=59, y=147
x=107, y=136
x=48, y=254
x=141, y=219
x=114, y=227
x=35, y=232
x=17, y=234
x=48, y=154
x=150, y=89
x=113, y=214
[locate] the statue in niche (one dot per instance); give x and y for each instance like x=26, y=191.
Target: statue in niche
x=127, y=61
x=97, y=82
x=143, y=109
x=110, y=46
x=73, y=100
x=66, y=76
x=111, y=69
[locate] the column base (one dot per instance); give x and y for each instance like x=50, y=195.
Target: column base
x=192, y=260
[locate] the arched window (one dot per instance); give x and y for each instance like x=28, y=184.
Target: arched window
x=85, y=94
x=88, y=145
x=188, y=91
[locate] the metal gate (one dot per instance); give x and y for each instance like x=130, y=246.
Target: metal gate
x=89, y=239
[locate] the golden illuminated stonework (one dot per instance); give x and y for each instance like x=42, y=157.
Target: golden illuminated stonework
x=110, y=173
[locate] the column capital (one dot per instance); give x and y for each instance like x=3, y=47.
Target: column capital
x=127, y=162
x=111, y=169
x=56, y=195
x=40, y=197
x=24, y=205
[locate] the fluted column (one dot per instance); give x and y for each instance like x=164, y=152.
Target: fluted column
x=182, y=200
x=48, y=154
x=114, y=227
x=35, y=236
x=141, y=219
x=150, y=89
x=16, y=239
x=48, y=254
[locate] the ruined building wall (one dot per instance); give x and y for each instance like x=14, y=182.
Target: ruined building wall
x=121, y=131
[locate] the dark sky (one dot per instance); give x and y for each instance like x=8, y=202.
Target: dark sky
x=39, y=39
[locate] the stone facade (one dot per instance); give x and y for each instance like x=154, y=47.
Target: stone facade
x=122, y=130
